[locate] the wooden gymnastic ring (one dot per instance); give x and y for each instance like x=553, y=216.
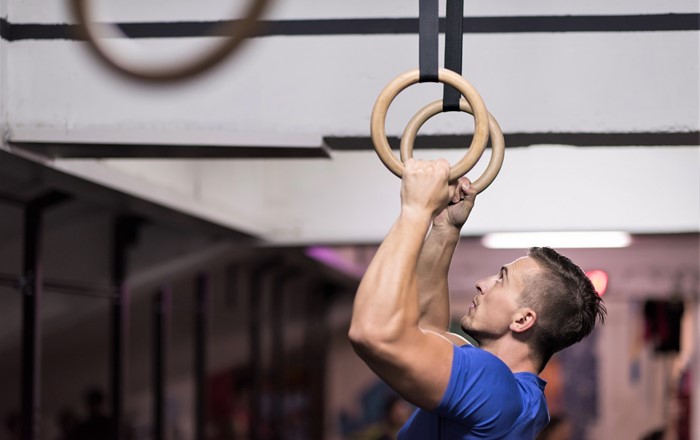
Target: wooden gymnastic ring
x=237, y=31
x=445, y=76
x=496, y=136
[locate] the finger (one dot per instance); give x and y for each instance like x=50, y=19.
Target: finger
x=470, y=193
x=470, y=190
x=464, y=179
x=456, y=192
x=410, y=164
x=459, y=194
x=467, y=192
x=464, y=188
x=460, y=188
x=452, y=190
x=443, y=164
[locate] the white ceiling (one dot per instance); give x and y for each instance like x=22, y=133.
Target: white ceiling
x=294, y=90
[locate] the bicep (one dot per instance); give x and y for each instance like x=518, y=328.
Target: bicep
x=417, y=366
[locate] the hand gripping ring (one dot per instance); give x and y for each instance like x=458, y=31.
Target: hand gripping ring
x=496, y=136
x=445, y=76
x=236, y=31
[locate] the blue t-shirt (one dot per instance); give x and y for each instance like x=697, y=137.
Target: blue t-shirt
x=483, y=400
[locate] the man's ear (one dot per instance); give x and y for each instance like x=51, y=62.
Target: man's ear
x=523, y=320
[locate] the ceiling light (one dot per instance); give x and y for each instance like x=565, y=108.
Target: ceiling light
x=561, y=240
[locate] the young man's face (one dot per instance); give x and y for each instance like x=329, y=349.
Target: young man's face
x=496, y=303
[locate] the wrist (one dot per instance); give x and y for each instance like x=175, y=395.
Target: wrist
x=417, y=217
x=446, y=228
x=446, y=232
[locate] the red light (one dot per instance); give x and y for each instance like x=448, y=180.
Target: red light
x=599, y=279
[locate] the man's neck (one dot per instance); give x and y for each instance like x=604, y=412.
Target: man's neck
x=515, y=354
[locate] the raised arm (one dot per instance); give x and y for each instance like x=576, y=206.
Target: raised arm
x=436, y=256
x=384, y=329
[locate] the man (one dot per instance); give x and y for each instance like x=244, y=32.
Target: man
x=532, y=308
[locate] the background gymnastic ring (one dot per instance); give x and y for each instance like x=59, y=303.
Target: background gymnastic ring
x=445, y=76
x=238, y=30
x=496, y=136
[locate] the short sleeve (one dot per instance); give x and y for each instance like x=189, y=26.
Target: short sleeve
x=482, y=392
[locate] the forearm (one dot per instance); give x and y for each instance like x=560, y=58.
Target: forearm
x=432, y=278
x=384, y=329
x=386, y=302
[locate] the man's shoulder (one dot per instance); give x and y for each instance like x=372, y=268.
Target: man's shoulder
x=478, y=357
x=531, y=389
x=480, y=375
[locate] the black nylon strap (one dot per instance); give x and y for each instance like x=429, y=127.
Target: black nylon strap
x=428, y=30
x=454, y=17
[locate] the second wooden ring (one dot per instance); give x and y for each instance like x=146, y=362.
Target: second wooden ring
x=496, y=136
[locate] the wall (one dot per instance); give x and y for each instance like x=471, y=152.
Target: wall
x=637, y=384
x=621, y=351
x=348, y=378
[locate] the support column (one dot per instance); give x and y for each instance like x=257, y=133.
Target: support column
x=317, y=341
x=278, y=319
x=31, y=288
x=161, y=319
x=201, y=319
x=255, y=350
x=125, y=234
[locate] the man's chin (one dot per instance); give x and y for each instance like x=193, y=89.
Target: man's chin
x=472, y=332
x=466, y=323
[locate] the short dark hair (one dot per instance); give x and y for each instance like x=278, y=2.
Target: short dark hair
x=566, y=303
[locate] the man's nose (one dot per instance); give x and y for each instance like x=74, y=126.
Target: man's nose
x=484, y=284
